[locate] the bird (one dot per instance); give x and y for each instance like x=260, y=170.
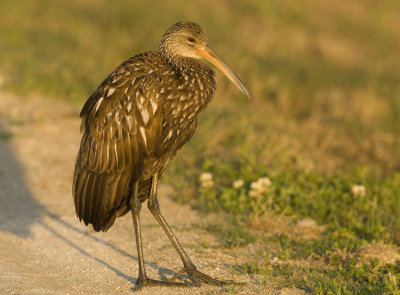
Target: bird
x=132, y=127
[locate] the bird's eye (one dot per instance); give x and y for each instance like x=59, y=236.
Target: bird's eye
x=191, y=40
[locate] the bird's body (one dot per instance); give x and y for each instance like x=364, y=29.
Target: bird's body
x=134, y=124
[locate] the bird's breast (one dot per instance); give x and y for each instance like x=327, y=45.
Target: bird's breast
x=181, y=97
x=187, y=97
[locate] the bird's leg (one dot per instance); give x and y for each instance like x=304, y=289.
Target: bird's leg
x=135, y=206
x=196, y=277
x=143, y=279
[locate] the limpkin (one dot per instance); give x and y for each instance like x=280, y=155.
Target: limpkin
x=133, y=125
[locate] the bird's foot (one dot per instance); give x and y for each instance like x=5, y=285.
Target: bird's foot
x=196, y=277
x=147, y=282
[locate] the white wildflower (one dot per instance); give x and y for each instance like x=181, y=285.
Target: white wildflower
x=265, y=182
x=205, y=176
x=206, y=180
x=255, y=185
x=359, y=190
x=238, y=183
x=259, y=187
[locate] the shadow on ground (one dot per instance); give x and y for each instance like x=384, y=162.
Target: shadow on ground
x=18, y=208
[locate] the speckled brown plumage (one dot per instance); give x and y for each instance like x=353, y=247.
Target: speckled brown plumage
x=137, y=120
x=133, y=125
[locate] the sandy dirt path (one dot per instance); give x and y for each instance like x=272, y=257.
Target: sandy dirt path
x=43, y=247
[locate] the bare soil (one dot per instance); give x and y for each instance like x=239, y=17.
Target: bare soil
x=44, y=249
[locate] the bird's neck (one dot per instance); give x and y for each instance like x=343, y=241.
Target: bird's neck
x=186, y=68
x=183, y=65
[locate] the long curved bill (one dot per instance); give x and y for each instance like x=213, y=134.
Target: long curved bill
x=209, y=55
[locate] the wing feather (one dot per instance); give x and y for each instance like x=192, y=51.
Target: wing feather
x=88, y=196
x=120, y=129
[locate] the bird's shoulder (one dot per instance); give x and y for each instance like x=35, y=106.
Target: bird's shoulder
x=135, y=85
x=136, y=72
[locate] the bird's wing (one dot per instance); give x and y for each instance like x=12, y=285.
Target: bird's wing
x=121, y=125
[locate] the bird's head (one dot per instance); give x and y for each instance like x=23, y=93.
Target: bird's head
x=189, y=40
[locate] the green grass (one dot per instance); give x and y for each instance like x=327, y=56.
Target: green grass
x=325, y=273
x=324, y=117
x=345, y=277
x=231, y=236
